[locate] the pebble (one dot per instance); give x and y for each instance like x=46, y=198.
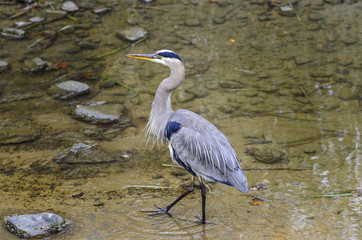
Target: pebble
x=101, y=10
x=34, y=225
x=103, y=114
x=315, y=16
x=287, y=11
x=13, y=33
x=69, y=6
x=132, y=34
x=36, y=19
x=87, y=45
x=52, y=15
x=68, y=89
x=3, y=66
x=231, y=84
x=33, y=65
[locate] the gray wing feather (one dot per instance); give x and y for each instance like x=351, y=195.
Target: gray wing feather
x=202, y=147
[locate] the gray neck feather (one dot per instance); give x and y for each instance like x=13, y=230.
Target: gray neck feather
x=161, y=106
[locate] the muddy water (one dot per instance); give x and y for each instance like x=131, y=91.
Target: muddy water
x=269, y=79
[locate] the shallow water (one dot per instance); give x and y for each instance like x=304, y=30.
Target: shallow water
x=257, y=75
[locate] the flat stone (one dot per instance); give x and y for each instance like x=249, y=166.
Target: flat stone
x=286, y=11
x=68, y=89
x=33, y=65
x=34, y=225
x=101, y=10
x=315, y=16
x=17, y=130
x=52, y=15
x=231, y=84
x=81, y=153
x=69, y=6
x=13, y=33
x=87, y=45
x=132, y=34
x=103, y=114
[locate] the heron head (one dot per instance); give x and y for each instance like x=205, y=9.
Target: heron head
x=165, y=57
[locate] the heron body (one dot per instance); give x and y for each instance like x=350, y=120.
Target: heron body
x=194, y=143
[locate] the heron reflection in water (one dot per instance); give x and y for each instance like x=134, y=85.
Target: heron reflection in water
x=194, y=143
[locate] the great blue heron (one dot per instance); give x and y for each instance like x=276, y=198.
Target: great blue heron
x=194, y=143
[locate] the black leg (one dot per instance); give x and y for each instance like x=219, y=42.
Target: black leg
x=166, y=209
x=203, y=195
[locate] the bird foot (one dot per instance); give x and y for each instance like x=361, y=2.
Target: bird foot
x=157, y=212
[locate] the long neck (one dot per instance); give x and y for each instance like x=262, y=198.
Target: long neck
x=161, y=106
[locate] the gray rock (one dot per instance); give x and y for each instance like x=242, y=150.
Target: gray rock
x=103, y=114
x=3, y=66
x=69, y=6
x=132, y=34
x=82, y=153
x=33, y=65
x=17, y=131
x=13, y=33
x=52, y=15
x=34, y=225
x=68, y=89
x=87, y=45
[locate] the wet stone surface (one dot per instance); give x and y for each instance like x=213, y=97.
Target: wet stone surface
x=34, y=225
x=82, y=154
x=69, y=6
x=17, y=130
x=103, y=114
x=13, y=33
x=3, y=66
x=33, y=65
x=269, y=155
x=131, y=34
x=68, y=89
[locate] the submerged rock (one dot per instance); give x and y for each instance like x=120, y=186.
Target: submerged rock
x=231, y=84
x=34, y=225
x=103, y=114
x=33, y=65
x=82, y=154
x=268, y=155
x=13, y=33
x=52, y=15
x=132, y=34
x=17, y=131
x=67, y=90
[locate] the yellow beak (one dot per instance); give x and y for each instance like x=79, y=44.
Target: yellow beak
x=143, y=56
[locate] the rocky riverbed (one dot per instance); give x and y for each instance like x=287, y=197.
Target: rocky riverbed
x=280, y=78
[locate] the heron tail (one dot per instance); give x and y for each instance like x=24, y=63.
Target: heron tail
x=238, y=180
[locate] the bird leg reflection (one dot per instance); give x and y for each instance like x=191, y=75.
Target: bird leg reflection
x=166, y=209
